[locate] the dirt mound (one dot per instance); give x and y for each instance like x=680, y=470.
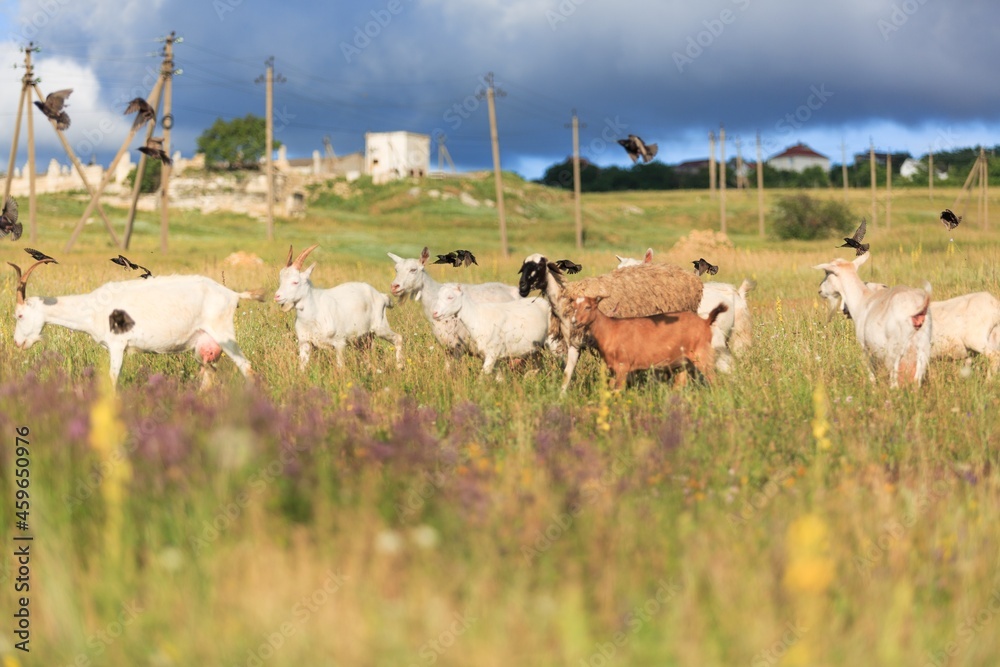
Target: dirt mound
x=702, y=242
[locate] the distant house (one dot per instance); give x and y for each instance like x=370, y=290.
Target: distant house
x=880, y=158
x=798, y=158
x=392, y=155
x=692, y=167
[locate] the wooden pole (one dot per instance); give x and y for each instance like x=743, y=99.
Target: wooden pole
x=739, y=163
x=967, y=186
x=495, y=142
x=722, y=179
x=269, y=145
x=168, y=85
x=871, y=155
x=982, y=187
x=29, y=81
x=888, y=189
x=80, y=172
x=843, y=167
x=153, y=99
x=13, y=144
x=986, y=191
x=711, y=165
x=930, y=174
x=577, y=208
x=760, y=189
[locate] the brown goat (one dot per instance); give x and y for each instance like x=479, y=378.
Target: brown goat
x=669, y=340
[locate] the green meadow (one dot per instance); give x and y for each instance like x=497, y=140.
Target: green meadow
x=790, y=514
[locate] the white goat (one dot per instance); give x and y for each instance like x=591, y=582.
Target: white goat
x=731, y=330
x=332, y=317
x=162, y=314
x=412, y=280
x=510, y=329
x=893, y=325
x=964, y=325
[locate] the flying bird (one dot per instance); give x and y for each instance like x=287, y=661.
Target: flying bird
x=855, y=241
x=568, y=266
x=154, y=149
x=637, y=148
x=125, y=262
x=8, y=220
x=949, y=219
x=145, y=111
x=39, y=255
x=701, y=267
x=457, y=258
x=53, y=105
x=120, y=322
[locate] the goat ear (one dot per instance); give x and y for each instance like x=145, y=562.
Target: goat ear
x=649, y=256
x=396, y=258
x=424, y=255
x=824, y=267
x=306, y=273
x=860, y=259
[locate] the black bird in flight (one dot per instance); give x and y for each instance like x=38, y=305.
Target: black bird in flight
x=154, y=149
x=637, y=148
x=949, y=219
x=457, y=258
x=146, y=112
x=8, y=220
x=701, y=267
x=855, y=241
x=125, y=262
x=568, y=266
x=38, y=255
x=120, y=322
x=53, y=105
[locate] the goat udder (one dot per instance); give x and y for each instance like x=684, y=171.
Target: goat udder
x=208, y=350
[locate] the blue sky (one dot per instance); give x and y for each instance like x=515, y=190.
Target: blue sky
x=908, y=75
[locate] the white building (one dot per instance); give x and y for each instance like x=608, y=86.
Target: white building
x=392, y=155
x=799, y=158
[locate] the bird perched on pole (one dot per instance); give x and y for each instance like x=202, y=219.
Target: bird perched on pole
x=145, y=112
x=53, y=105
x=855, y=241
x=637, y=148
x=9, y=226
x=154, y=149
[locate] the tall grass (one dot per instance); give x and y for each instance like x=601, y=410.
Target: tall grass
x=792, y=513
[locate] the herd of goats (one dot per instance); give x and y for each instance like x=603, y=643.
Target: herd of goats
x=641, y=316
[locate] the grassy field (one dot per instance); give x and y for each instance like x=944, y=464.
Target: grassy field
x=791, y=514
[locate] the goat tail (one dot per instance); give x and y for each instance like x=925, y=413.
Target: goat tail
x=920, y=316
x=718, y=310
x=255, y=294
x=746, y=287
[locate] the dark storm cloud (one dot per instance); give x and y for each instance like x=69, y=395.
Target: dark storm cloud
x=669, y=72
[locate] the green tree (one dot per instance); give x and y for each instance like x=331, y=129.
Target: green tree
x=234, y=144
x=150, y=177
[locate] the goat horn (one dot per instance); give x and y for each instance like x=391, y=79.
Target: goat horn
x=302, y=257
x=288, y=262
x=23, y=278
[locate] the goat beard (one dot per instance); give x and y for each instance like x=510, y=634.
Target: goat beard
x=287, y=306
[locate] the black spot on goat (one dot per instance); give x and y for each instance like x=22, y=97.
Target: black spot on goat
x=120, y=322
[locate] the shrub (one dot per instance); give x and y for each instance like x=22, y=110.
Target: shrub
x=802, y=217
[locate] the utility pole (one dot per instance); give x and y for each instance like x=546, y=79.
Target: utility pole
x=888, y=189
x=578, y=214
x=491, y=94
x=843, y=166
x=27, y=82
x=871, y=159
x=443, y=154
x=760, y=189
x=268, y=80
x=163, y=83
x=930, y=174
x=722, y=179
x=13, y=143
x=739, y=162
x=711, y=165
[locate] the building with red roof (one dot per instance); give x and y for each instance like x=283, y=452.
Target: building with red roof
x=799, y=158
